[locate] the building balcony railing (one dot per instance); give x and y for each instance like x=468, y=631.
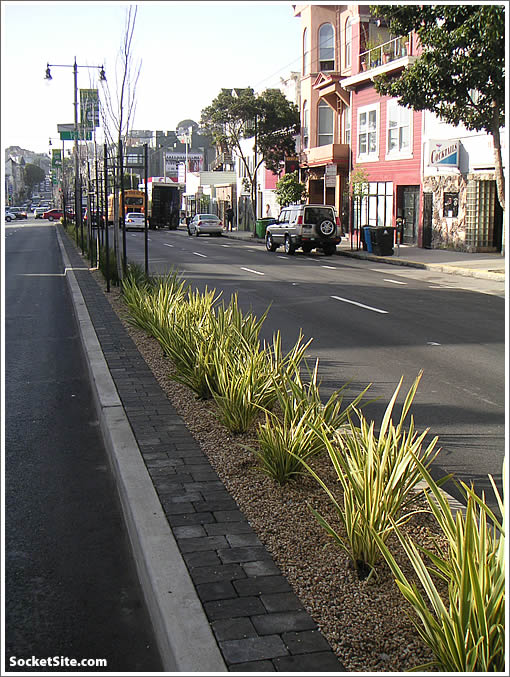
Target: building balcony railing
x=334, y=153
x=221, y=160
x=385, y=53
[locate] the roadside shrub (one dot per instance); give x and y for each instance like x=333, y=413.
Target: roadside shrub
x=243, y=383
x=377, y=476
x=296, y=432
x=112, y=265
x=187, y=340
x=466, y=633
x=151, y=301
x=245, y=372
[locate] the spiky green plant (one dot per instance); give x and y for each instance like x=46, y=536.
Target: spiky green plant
x=188, y=340
x=242, y=386
x=295, y=432
x=466, y=632
x=377, y=475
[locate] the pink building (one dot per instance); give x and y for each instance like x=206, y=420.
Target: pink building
x=346, y=125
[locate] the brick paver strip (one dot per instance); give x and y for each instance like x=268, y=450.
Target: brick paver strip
x=258, y=621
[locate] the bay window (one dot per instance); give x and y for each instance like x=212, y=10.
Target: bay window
x=325, y=124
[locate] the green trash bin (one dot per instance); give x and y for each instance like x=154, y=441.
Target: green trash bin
x=261, y=225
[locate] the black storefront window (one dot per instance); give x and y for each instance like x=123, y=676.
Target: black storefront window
x=450, y=205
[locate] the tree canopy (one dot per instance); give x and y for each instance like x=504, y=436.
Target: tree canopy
x=460, y=75
x=289, y=190
x=33, y=175
x=269, y=118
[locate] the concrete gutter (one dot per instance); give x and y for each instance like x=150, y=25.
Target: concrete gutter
x=185, y=640
x=438, y=267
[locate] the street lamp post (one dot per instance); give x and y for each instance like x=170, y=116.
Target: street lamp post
x=102, y=78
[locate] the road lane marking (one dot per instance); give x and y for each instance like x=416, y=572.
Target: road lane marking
x=168, y=245
x=433, y=343
x=285, y=258
x=52, y=274
x=198, y=254
x=394, y=281
x=226, y=245
x=361, y=305
x=329, y=267
x=250, y=270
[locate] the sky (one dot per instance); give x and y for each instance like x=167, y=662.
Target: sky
x=188, y=50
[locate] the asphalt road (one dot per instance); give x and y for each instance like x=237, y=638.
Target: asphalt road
x=70, y=583
x=372, y=324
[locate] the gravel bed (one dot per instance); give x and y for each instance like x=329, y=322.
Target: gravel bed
x=366, y=623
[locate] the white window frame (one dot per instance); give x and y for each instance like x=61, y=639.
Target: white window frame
x=322, y=47
x=374, y=155
x=347, y=125
x=306, y=125
x=348, y=43
x=325, y=106
x=306, y=52
x=398, y=153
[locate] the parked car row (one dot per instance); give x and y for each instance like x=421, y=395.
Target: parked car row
x=12, y=213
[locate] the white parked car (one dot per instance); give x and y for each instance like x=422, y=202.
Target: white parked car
x=306, y=226
x=9, y=216
x=135, y=221
x=205, y=223
x=38, y=212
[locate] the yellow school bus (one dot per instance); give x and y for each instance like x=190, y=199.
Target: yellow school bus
x=134, y=201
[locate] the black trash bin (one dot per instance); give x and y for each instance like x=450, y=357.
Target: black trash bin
x=383, y=238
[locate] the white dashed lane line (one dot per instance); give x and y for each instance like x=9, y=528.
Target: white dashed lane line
x=361, y=305
x=250, y=270
x=394, y=281
x=199, y=254
x=167, y=245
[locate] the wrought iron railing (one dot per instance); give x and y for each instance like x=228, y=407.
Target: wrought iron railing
x=384, y=53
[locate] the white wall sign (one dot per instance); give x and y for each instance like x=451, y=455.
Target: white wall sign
x=444, y=153
x=330, y=176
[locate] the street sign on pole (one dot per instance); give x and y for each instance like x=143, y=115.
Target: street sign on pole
x=66, y=132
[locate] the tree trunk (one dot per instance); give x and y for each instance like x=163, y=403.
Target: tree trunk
x=498, y=165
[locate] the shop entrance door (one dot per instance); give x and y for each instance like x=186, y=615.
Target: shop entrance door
x=408, y=201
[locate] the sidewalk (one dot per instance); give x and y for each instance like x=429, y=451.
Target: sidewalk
x=487, y=266
x=217, y=600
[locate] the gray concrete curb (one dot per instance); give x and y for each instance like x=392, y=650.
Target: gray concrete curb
x=438, y=267
x=184, y=636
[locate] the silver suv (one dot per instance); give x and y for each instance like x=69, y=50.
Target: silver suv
x=306, y=226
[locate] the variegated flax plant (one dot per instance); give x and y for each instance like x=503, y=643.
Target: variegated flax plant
x=465, y=628
x=377, y=475
x=290, y=434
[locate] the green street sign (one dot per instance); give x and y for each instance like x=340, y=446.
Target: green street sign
x=66, y=132
x=82, y=136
